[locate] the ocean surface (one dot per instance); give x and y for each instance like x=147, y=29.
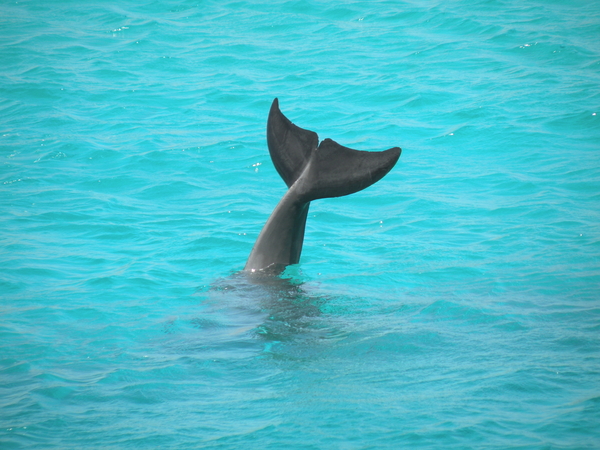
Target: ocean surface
x=454, y=304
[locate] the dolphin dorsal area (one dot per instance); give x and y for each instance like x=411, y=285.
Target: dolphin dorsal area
x=311, y=171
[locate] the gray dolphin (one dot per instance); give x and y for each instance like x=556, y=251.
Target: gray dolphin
x=311, y=171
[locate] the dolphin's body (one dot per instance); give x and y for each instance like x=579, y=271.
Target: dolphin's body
x=311, y=171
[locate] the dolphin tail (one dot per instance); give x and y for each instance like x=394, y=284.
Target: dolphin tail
x=322, y=170
x=311, y=171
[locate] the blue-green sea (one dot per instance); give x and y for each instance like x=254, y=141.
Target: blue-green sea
x=454, y=304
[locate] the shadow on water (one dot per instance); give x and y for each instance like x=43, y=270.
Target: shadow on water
x=267, y=308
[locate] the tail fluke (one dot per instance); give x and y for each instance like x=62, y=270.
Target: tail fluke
x=289, y=145
x=335, y=170
x=324, y=170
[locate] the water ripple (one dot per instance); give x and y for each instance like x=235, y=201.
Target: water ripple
x=450, y=304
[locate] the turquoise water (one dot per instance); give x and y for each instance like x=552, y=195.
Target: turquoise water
x=454, y=304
